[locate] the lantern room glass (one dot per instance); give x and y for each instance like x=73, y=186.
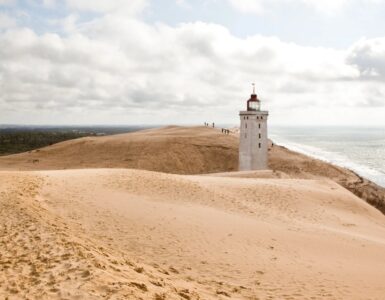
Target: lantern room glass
x=254, y=105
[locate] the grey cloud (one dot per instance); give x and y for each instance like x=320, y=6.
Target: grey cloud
x=368, y=56
x=374, y=97
x=375, y=102
x=294, y=86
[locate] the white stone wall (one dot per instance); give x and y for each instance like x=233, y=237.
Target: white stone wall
x=253, y=141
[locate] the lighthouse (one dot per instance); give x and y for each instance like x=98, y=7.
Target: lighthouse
x=253, y=142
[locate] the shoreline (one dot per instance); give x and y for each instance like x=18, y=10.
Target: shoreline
x=360, y=186
x=339, y=160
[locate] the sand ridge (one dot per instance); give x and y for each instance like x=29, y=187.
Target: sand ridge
x=183, y=150
x=170, y=149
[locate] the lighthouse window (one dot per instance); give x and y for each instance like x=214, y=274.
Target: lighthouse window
x=259, y=135
x=245, y=125
x=247, y=118
x=259, y=125
x=259, y=145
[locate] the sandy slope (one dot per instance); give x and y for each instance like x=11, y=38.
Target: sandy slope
x=83, y=233
x=182, y=150
x=131, y=234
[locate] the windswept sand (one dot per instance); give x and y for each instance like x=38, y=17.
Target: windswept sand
x=173, y=149
x=132, y=234
x=88, y=232
x=183, y=150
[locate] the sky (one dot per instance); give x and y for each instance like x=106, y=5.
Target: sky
x=157, y=62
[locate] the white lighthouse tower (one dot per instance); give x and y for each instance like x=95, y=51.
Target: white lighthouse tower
x=253, y=142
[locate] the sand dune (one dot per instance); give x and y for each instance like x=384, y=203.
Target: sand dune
x=183, y=150
x=105, y=229
x=133, y=234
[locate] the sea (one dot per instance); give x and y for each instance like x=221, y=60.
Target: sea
x=359, y=149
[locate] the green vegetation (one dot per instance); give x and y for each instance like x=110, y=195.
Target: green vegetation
x=21, y=139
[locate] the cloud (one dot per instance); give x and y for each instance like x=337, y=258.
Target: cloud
x=368, y=55
x=7, y=2
x=326, y=6
x=249, y=6
x=118, y=7
x=125, y=7
x=261, y=6
x=375, y=96
x=183, y=4
x=6, y=21
x=120, y=69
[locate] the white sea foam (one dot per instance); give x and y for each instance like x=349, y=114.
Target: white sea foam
x=334, y=158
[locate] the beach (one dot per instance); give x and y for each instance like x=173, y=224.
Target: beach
x=361, y=149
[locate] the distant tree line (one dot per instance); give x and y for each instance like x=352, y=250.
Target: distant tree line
x=21, y=139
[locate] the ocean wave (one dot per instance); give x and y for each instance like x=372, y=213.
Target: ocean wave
x=338, y=159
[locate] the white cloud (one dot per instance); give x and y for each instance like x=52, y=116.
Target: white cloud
x=68, y=24
x=7, y=2
x=248, y=6
x=49, y=3
x=122, y=7
x=130, y=7
x=6, y=21
x=183, y=3
x=119, y=69
x=324, y=6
